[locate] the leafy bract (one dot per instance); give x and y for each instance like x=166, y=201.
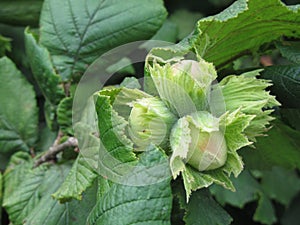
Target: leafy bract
x=93, y=28
x=247, y=93
x=244, y=27
x=184, y=85
x=18, y=111
x=125, y=204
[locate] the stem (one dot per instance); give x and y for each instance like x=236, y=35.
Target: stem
x=55, y=149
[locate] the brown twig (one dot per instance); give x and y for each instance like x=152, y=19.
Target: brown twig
x=55, y=149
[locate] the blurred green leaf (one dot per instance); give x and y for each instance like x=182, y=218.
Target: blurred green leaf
x=280, y=148
x=265, y=212
x=185, y=21
x=93, y=28
x=247, y=190
x=18, y=111
x=244, y=27
x=291, y=117
x=203, y=210
x=286, y=80
x=280, y=184
x=167, y=32
x=46, y=139
x=1, y=195
x=4, y=45
x=290, y=50
x=291, y=215
x=20, y=12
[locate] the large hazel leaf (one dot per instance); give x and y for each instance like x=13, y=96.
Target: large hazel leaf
x=77, y=32
x=18, y=111
x=243, y=27
x=124, y=204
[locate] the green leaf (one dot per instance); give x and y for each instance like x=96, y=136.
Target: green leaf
x=280, y=147
x=80, y=177
x=42, y=69
x=18, y=112
x=290, y=50
x=4, y=45
x=286, y=80
x=203, y=210
x=64, y=115
x=244, y=27
x=94, y=28
x=149, y=204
